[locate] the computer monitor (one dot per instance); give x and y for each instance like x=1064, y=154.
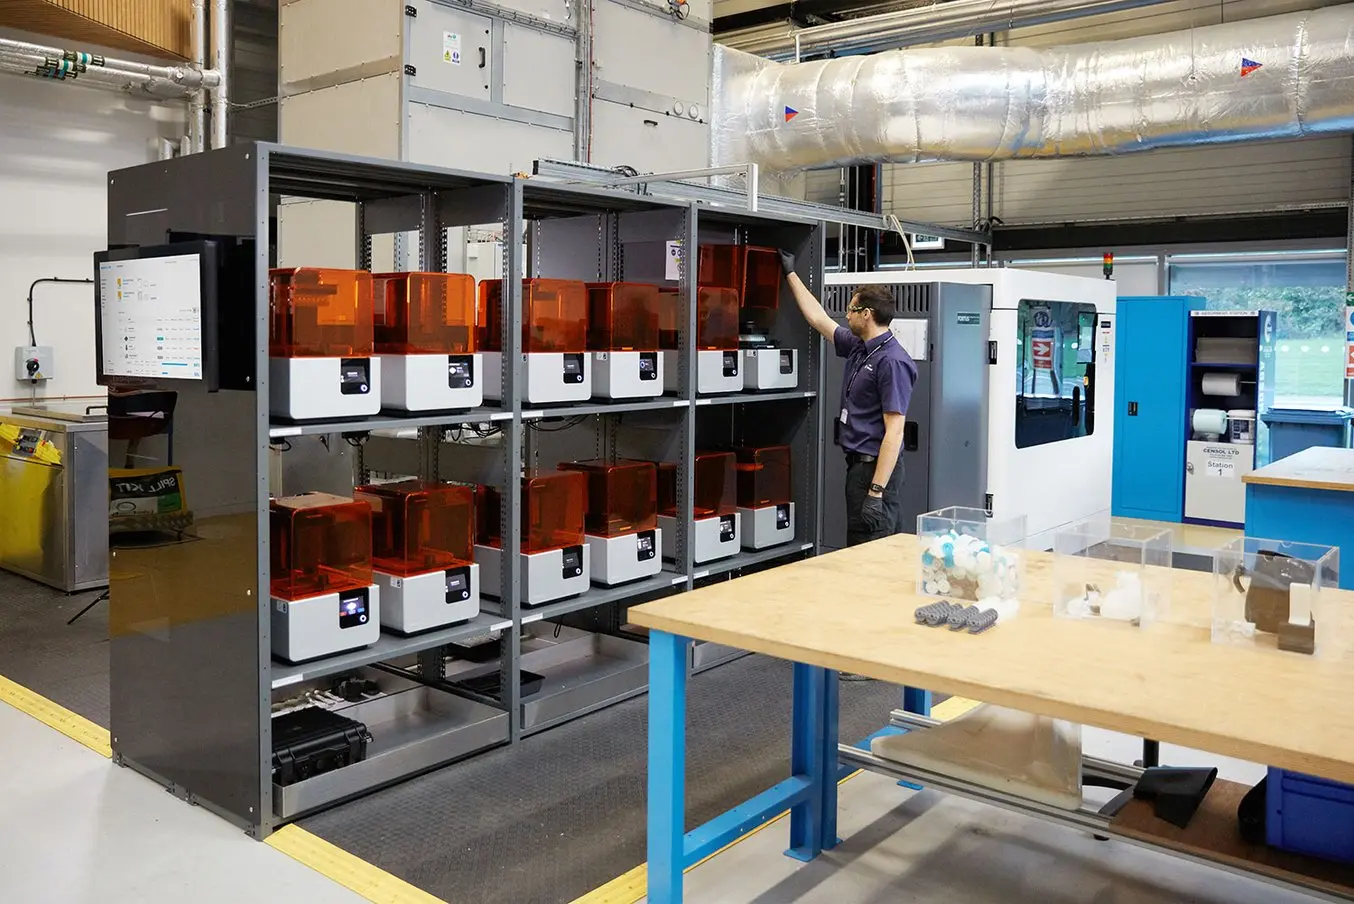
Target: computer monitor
x=156, y=313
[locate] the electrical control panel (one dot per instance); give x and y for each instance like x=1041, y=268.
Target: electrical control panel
x=33, y=363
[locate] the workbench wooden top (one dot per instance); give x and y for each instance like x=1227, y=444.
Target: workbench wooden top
x=1314, y=468
x=852, y=610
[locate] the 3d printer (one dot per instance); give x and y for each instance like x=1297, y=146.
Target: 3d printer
x=556, y=366
x=715, y=532
x=623, y=340
x=554, y=559
x=766, y=513
x=765, y=364
x=321, y=344
x=621, y=521
x=717, y=354
x=425, y=337
x=423, y=553
x=323, y=597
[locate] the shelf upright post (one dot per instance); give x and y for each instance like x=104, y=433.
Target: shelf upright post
x=513, y=266
x=686, y=365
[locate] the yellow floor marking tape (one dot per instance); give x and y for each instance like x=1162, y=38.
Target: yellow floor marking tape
x=631, y=887
x=73, y=726
x=352, y=872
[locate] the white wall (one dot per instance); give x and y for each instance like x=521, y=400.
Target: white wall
x=57, y=143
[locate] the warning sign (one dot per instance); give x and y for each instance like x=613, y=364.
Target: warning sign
x=1349, y=361
x=451, y=48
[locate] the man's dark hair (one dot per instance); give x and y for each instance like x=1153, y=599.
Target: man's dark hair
x=879, y=301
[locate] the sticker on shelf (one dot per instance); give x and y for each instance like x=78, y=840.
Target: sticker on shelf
x=672, y=268
x=451, y=48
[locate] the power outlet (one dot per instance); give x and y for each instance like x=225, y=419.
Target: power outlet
x=33, y=363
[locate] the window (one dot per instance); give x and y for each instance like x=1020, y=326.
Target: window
x=1305, y=289
x=1055, y=371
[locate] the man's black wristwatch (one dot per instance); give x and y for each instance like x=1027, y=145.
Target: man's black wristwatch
x=876, y=488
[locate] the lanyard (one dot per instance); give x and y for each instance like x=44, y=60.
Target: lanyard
x=846, y=393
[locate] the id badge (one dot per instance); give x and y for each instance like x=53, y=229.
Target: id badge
x=837, y=426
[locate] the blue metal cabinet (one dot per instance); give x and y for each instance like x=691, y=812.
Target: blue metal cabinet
x=1151, y=379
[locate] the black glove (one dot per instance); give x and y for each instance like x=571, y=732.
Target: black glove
x=873, y=514
x=787, y=262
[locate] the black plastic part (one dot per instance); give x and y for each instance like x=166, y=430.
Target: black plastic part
x=312, y=741
x=488, y=651
x=1175, y=791
x=490, y=684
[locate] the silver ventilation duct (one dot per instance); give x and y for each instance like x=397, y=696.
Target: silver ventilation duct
x=1277, y=77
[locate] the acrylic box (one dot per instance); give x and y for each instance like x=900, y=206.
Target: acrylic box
x=320, y=313
x=622, y=496
x=419, y=527
x=763, y=476
x=1271, y=594
x=320, y=544
x=968, y=555
x=623, y=317
x=761, y=282
x=1112, y=571
x=716, y=318
x=424, y=313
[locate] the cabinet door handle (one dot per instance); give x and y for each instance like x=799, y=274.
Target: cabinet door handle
x=482, y=58
x=1132, y=409
x=651, y=122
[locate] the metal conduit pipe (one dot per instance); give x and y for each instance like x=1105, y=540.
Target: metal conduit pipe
x=184, y=77
x=94, y=76
x=197, y=124
x=1277, y=77
x=220, y=63
x=921, y=25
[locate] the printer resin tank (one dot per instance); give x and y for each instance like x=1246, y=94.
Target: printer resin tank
x=323, y=597
x=423, y=553
x=766, y=512
x=557, y=366
x=321, y=344
x=715, y=530
x=554, y=556
x=623, y=340
x=425, y=335
x=621, y=521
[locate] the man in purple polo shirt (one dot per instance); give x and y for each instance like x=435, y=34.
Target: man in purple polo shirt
x=876, y=388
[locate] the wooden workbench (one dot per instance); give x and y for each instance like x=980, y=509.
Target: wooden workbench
x=1315, y=468
x=853, y=611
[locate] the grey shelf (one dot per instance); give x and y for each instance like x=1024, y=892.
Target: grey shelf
x=390, y=646
x=281, y=430
x=600, y=596
x=743, y=398
x=583, y=672
x=746, y=559
x=662, y=403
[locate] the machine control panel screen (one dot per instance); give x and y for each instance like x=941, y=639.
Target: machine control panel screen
x=726, y=528
x=731, y=364
x=783, y=516
x=573, y=562
x=645, y=546
x=573, y=368
x=353, y=608
x=648, y=366
x=460, y=372
x=355, y=376
x=458, y=585
x=150, y=310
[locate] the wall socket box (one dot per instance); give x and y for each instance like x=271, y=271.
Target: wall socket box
x=33, y=363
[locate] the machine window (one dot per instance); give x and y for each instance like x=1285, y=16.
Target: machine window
x=1055, y=371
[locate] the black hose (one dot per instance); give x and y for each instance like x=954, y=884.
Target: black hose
x=32, y=337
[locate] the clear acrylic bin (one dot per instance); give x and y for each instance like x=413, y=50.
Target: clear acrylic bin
x=1112, y=571
x=1268, y=594
x=968, y=555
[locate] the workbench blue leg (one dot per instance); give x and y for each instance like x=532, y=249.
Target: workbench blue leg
x=916, y=700
x=808, y=745
x=831, y=733
x=667, y=765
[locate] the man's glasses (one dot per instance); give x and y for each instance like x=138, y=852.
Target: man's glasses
x=855, y=308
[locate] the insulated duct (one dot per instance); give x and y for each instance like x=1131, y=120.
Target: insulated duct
x=1278, y=77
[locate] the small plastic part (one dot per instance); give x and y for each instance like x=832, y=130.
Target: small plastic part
x=1175, y=792
x=961, y=618
x=982, y=620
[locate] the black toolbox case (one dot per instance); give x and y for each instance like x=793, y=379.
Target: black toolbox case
x=312, y=741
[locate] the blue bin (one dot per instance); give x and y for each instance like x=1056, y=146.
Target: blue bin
x=1293, y=429
x=1309, y=815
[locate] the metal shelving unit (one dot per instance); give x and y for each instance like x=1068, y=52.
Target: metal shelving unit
x=193, y=680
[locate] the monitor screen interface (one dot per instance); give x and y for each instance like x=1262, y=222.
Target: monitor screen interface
x=151, y=312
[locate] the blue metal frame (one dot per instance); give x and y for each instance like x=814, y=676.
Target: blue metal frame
x=810, y=793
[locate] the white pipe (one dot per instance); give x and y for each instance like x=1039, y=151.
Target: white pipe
x=94, y=77
x=182, y=77
x=220, y=58
x=1276, y=77
x=196, y=121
